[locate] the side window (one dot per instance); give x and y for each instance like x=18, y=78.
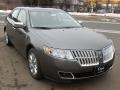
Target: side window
x=15, y=13
x=22, y=16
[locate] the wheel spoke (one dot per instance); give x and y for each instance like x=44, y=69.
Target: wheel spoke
x=33, y=64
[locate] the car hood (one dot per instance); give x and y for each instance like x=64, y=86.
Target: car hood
x=75, y=38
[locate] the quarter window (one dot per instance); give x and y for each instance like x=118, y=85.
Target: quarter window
x=22, y=16
x=15, y=13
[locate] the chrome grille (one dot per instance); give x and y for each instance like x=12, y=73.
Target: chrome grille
x=85, y=57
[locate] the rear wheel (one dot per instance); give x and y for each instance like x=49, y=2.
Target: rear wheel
x=7, y=39
x=34, y=65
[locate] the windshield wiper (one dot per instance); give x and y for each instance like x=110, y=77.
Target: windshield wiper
x=43, y=27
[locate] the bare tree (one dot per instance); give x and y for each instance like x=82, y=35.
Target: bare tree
x=6, y=1
x=67, y=4
x=38, y=2
x=107, y=6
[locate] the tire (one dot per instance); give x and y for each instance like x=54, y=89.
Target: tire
x=34, y=65
x=7, y=39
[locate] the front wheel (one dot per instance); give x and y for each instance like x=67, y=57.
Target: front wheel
x=34, y=65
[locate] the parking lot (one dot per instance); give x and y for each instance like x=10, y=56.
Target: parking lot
x=14, y=74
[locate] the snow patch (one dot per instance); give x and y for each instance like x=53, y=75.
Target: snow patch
x=5, y=11
x=95, y=14
x=107, y=31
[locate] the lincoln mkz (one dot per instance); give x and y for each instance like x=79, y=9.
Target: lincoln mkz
x=56, y=46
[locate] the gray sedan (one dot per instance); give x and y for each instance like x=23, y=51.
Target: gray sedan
x=56, y=46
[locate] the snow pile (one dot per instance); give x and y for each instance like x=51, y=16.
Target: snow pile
x=94, y=14
x=5, y=11
x=76, y=13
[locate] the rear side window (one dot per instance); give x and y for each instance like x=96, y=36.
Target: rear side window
x=22, y=16
x=15, y=13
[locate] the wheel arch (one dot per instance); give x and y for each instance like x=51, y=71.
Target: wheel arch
x=29, y=46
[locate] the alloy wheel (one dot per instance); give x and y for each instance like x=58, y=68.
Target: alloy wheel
x=33, y=63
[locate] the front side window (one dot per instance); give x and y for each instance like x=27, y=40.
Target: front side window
x=22, y=16
x=52, y=19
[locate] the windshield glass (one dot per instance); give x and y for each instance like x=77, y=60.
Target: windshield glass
x=52, y=19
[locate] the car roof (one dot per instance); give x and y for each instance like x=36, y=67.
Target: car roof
x=39, y=9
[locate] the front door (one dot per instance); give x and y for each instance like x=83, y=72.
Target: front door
x=20, y=33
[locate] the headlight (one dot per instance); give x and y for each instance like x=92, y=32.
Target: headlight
x=108, y=53
x=59, y=53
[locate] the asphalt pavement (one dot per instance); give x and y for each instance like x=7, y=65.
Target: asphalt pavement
x=101, y=25
x=14, y=74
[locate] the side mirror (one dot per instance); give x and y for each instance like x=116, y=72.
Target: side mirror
x=19, y=25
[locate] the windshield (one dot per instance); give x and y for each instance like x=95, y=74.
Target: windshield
x=52, y=19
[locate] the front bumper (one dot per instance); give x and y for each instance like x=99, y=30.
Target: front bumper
x=93, y=72
x=61, y=70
